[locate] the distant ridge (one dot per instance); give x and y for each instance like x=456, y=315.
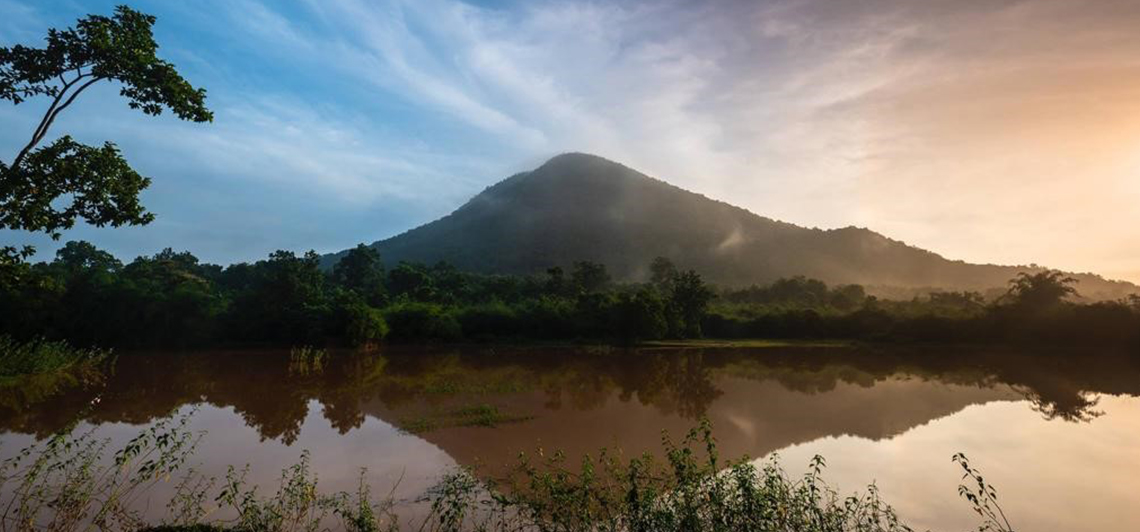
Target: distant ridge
x=583, y=207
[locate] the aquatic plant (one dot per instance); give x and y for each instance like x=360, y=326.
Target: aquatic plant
x=305, y=360
x=31, y=372
x=482, y=415
x=40, y=356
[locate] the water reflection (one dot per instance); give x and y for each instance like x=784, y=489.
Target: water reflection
x=677, y=383
x=258, y=408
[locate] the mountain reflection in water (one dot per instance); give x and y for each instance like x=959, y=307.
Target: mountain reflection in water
x=760, y=401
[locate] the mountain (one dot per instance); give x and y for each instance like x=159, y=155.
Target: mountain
x=583, y=207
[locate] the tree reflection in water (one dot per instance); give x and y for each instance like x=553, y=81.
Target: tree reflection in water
x=674, y=382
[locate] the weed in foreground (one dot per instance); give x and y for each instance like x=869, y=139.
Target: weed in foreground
x=65, y=484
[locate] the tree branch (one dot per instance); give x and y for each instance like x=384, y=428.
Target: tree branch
x=64, y=106
x=50, y=114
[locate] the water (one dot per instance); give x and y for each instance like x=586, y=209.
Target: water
x=1057, y=433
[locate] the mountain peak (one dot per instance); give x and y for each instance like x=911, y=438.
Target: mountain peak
x=582, y=166
x=577, y=158
x=578, y=206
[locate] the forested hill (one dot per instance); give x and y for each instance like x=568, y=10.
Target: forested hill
x=583, y=207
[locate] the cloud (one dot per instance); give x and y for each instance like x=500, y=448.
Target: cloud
x=989, y=131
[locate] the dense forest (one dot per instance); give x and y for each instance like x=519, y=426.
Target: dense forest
x=90, y=298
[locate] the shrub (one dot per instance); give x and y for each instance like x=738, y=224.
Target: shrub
x=548, y=317
x=489, y=320
x=71, y=484
x=18, y=359
x=421, y=321
x=364, y=324
x=639, y=316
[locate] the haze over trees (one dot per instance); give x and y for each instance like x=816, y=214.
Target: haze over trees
x=583, y=207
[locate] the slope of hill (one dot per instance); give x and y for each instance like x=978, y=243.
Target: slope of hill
x=583, y=207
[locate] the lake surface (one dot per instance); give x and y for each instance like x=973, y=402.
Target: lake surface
x=1057, y=433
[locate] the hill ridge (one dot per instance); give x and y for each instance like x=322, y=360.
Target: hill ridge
x=579, y=206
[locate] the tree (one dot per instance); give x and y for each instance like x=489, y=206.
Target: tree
x=1133, y=302
x=47, y=189
x=639, y=316
x=88, y=277
x=164, y=300
x=360, y=324
x=589, y=277
x=77, y=257
x=361, y=271
x=282, y=298
x=1041, y=290
x=555, y=283
x=412, y=281
x=848, y=296
x=690, y=299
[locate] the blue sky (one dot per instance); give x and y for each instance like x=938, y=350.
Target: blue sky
x=991, y=131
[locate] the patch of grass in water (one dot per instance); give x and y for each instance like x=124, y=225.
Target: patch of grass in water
x=483, y=415
x=33, y=371
x=39, y=357
x=746, y=343
x=307, y=360
x=455, y=387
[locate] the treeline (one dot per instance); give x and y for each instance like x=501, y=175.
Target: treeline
x=90, y=298
x=1036, y=309
x=171, y=299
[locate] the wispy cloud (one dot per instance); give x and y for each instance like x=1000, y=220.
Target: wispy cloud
x=990, y=131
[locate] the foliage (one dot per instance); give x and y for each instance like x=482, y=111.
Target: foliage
x=97, y=185
x=589, y=277
x=297, y=506
x=692, y=490
x=171, y=299
x=490, y=320
x=426, y=321
x=48, y=188
x=66, y=483
x=482, y=415
x=282, y=299
x=1041, y=290
x=690, y=297
x=360, y=324
x=640, y=315
x=307, y=359
x=360, y=271
x=982, y=497
x=21, y=359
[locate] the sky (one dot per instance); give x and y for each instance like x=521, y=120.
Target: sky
x=990, y=131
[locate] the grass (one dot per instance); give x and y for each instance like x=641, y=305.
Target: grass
x=39, y=357
x=745, y=343
x=471, y=416
x=31, y=372
x=307, y=360
x=74, y=482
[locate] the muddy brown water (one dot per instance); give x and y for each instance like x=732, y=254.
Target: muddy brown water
x=1057, y=432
